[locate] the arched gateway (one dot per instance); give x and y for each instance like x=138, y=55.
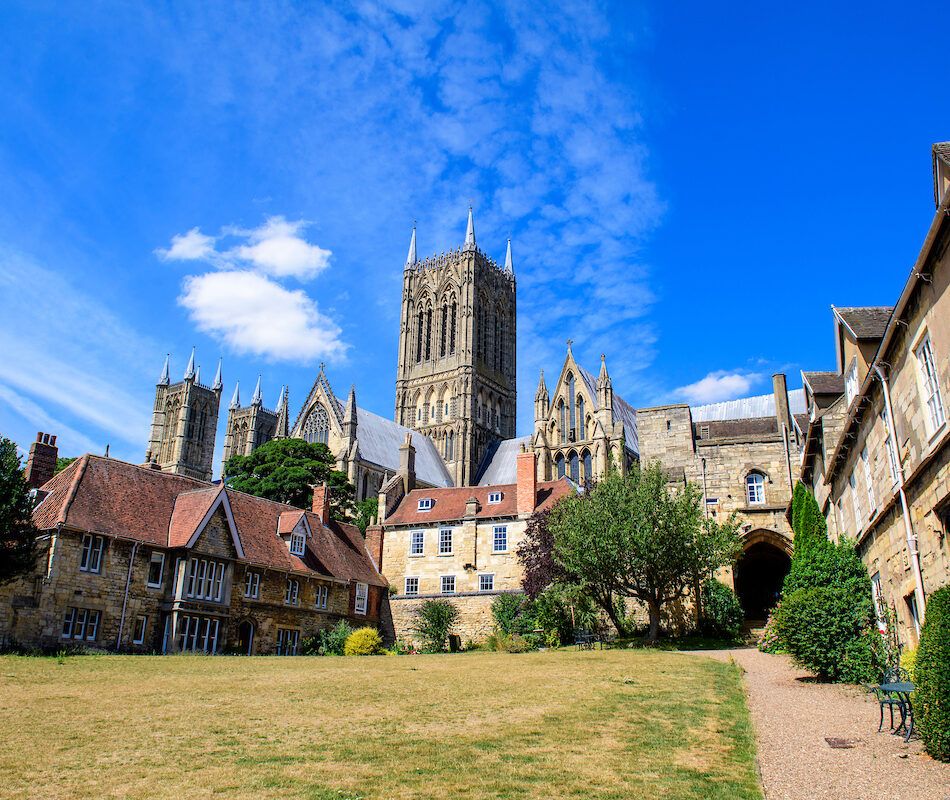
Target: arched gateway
x=760, y=572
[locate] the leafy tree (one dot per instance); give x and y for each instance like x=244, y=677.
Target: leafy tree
x=536, y=555
x=513, y=613
x=365, y=512
x=62, y=463
x=434, y=620
x=932, y=675
x=17, y=534
x=722, y=611
x=634, y=536
x=286, y=470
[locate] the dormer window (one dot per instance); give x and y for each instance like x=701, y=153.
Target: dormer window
x=494, y=497
x=851, y=382
x=298, y=543
x=425, y=504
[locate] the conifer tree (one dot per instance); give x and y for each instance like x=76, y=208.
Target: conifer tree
x=17, y=534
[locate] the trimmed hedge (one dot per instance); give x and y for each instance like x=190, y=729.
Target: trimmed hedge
x=363, y=642
x=932, y=676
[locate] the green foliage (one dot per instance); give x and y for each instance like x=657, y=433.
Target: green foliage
x=909, y=662
x=826, y=631
x=363, y=642
x=434, y=620
x=62, y=463
x=286, y=470
x=17, y=534
x=633, y=535
x=932, y=676
x=769, y=641
x=365, y=512
x=329, y=641
x=722, y=612
x=512, y=613
x=500, y=642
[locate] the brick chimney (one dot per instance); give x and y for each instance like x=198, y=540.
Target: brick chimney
x=41, y=464
x=374, y=544
x=321, y=502
x=527, y=482
x=780, y=389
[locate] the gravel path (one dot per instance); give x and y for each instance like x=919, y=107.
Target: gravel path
x=792, y=717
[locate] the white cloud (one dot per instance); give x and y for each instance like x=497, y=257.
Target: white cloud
x=191, y=246
x=276, y=248
x=256, y=315
x=717, y=386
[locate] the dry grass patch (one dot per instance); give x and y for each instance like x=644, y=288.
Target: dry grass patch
x=612, y=724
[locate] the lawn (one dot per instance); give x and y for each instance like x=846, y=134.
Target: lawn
x=613, y=724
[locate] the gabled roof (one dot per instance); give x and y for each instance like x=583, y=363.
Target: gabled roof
x=379, y=440
x=762, y=405
x=449, y=504
x=865, y=323
x=824, y=382
x=159, y=509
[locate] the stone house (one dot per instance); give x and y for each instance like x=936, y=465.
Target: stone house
x=135, y=559
x=457, y=543
x=887, y=468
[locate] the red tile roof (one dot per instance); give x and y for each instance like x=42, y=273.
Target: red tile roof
x=115, y=498
x=449, y=504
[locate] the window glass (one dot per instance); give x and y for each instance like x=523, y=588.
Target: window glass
x=448, y=584
x=412, y=586
x=755, y=488
x=445, y=541
x=156, y=568
x=486, y=583
x=500, y=539
x=416, y=542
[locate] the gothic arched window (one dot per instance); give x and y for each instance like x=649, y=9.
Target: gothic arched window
x=571, y=406
x=450, y=446
x=559, y=463
x=755, y=488
x=562, y=413
x=581, y=419
x=443, y=334
x=428, y=333
x=575, y=468
x=316, y=428
x=588, y=467
x=419, y=332
x=452, y=329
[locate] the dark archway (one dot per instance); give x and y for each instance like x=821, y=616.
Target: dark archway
x=759, y=575
x=246, y=637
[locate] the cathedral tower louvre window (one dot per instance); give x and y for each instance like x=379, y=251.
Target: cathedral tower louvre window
x=317, y=426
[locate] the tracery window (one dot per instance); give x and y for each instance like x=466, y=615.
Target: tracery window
x=571, y=405
x=562, y=413
x=428, y=352
x=559, y=463
x=420, y=323
x=581, y=419
x=575, y=468
x=317, y=426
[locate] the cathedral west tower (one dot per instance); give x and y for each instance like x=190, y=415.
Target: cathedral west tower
x=455, y=379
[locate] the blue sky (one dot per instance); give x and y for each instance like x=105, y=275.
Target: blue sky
x=687, y=189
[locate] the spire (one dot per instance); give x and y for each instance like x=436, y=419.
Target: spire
x=217, y=385
x=198, y=374
x=190, y=369
x=257, y=399
x=164, y=379
x=349, y=415
x=470, y=231
x=508, y=268
x=603, y=369
x=411, y=259
x=542, y=388
x=282, y=422
x=236, y=397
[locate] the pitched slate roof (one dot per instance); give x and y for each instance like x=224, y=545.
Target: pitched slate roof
x=449, y=504
x=115, y=498
x=762, y=405
x=502, y=462
x=623, y=411
x=867, y=323
x=379, y=441
x=824, y=382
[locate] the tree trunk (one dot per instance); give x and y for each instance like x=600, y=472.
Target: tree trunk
x=653, y=607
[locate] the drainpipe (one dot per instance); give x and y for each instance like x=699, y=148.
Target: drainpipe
x=125, y=597
x=908, y=526
x=702, y=461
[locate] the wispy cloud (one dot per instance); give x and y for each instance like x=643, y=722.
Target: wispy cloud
x=69, y=439
x=191, y=246
x=717, y=386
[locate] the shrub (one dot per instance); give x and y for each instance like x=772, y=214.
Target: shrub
x=512, y=613
x=769, y=641
x=329, y=641
x=363, y=642
x=909, y=662
x=722, y=612
x=500, y=642
x=434, y=620
x=932, y=676
x=826, y=631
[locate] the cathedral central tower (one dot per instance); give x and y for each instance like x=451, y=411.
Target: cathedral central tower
x=455, y=379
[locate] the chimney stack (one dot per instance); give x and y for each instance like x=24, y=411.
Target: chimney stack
x=782, y=413
x=41, y=463
x=321, y=503
x=407, y=464
x=527, y=482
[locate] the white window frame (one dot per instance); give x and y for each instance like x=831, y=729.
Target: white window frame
x=288, y=640
x=856, y=508
x=425, y=504
x=361, y=601
x=157, y=557
x=446, y=542
x=935, y=415
x=851, y=382
x=141, y=626
x=298, y=544
x=292, y=592
x=499, y=531
x=90, y=559
x=322, y=596
x=198, y=634
x=491, y=580
x=411, y=592
x=205, y=579
x=494, y=497
x=81, y=624
x=443, y=584
x=252, y=585
x=755, y=488
x=421, y=541
x=868, y=479
x=890, y=445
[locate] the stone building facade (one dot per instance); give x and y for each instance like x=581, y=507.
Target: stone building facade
x=456, y=543
x=249, y=427
x=883, y=471
x=184, y=422
x=134, y=559
x=455, y=379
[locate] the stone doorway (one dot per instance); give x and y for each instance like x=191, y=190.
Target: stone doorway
x=759, y=575
x=246, y=637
